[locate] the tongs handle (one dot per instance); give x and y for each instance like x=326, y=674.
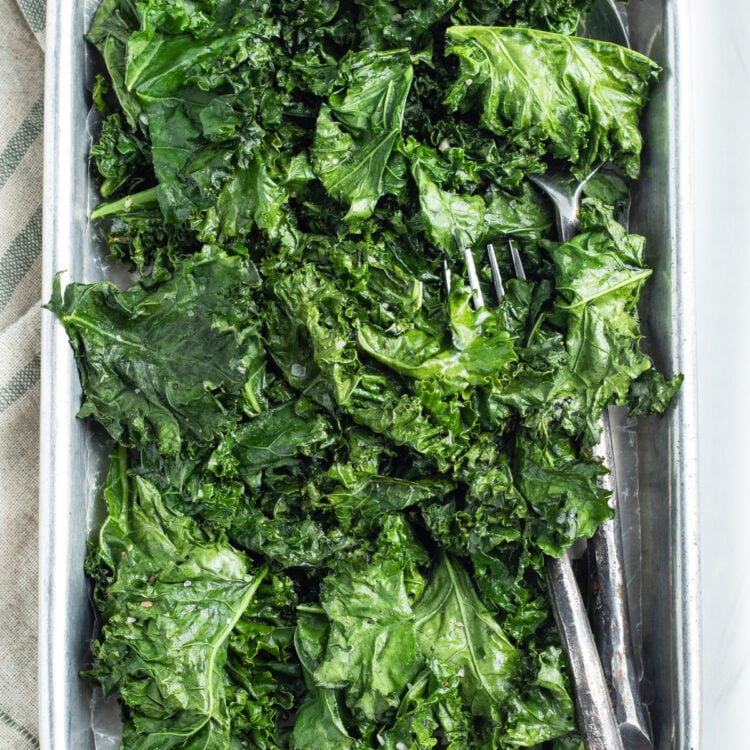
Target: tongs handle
x=596, y=718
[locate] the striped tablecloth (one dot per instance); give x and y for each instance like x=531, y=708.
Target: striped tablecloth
x=21, y=121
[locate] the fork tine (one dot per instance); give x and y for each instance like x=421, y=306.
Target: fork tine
x=447, y=276
x=471, y=271
x=517, y=264
x=497, y=279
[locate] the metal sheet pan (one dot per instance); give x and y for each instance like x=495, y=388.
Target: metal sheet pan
x=71, y=453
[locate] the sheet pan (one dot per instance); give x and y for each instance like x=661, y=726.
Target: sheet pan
x=661, y=453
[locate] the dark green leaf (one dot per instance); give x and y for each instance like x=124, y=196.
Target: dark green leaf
x=580, y=98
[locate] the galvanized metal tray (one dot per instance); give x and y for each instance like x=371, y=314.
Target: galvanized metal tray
x=661, y=452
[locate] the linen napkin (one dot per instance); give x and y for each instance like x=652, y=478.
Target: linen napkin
x=21, y=123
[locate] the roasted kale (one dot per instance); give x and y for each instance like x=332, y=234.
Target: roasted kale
x=335, y=480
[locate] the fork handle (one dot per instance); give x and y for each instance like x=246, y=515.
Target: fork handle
x=596, y=717
x=610, y=615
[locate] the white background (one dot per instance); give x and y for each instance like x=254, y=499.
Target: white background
x=720, y=57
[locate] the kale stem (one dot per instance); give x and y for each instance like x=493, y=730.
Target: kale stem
x=144, y=199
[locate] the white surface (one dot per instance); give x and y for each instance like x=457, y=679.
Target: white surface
x=721, y=69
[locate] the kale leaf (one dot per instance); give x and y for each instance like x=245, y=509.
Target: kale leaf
x=185, y=616
x=171, y=363
x=579, y=99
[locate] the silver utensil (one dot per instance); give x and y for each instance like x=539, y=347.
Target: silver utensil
x=565, y=191
x=597, y=721
x=610, y=613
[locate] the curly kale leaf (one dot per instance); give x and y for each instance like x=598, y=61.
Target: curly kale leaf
x=412, y=657
x=563, y=490
x=120, y=156
x=175, y=363
x=359, y=129
x=579, y=99
x=319, y=721
x=599, y=275
x=184, y=616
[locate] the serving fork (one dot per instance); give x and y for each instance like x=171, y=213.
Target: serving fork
x=597, y=721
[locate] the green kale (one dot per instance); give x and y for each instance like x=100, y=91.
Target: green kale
x=185, y=617
x=174, y=363
x=336, y=479
x=579, y=99
x=359, y=129
x=120, y=157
